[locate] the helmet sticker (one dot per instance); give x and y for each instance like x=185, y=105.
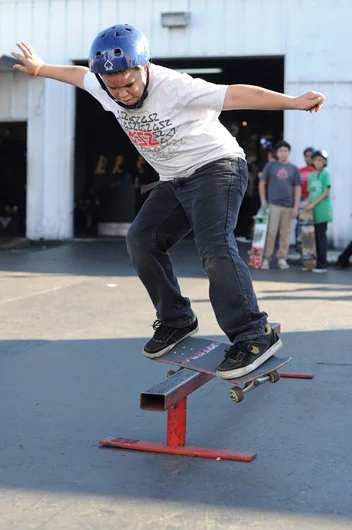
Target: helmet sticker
x=108, y=65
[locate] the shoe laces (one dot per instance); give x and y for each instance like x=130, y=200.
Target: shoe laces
x=237, y=351
x=156, y=324
x=161, y=330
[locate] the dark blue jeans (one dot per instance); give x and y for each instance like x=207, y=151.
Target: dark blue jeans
x=321, y=243
x=207, y=202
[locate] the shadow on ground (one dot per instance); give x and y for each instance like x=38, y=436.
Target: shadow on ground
x=58, y=398
x=110, y=258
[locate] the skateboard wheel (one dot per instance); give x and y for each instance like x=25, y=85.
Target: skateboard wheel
x=236, y=394
x=170, y=373
x=274, y=376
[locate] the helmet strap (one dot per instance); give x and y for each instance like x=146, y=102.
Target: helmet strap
x=129, y=107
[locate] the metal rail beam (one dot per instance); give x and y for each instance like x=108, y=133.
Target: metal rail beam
x=166, y=394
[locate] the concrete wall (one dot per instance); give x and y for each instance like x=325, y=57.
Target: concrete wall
x=313, y=36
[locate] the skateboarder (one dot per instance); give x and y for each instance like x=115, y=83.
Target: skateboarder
x=172, y=119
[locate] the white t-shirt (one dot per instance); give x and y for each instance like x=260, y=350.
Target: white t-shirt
x=177, y=129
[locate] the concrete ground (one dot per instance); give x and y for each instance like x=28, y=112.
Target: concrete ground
x=73, y=321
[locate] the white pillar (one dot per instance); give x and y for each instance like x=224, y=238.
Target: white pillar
x=50, y=182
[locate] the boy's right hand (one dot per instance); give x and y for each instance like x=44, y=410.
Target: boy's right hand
x=311, y=101
x=263, y=205
x=30, y=60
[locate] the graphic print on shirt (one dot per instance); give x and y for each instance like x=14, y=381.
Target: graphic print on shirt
x=317, y=187
x=282, y=173
x=149, y=134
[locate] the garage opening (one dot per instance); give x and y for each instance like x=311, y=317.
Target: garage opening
x=108, y=169
x=13, y=178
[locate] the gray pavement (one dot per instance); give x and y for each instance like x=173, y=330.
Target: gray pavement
x=74, y=319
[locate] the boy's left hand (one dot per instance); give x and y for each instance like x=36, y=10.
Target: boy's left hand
x=311, y=101
x=308, y=207
x=30, y=60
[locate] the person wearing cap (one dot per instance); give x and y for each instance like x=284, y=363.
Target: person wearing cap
x=173, y=121
x=307, y=170
x=305, y=173
x=320, y=202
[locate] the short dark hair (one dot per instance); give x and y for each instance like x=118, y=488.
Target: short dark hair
x=282, y=143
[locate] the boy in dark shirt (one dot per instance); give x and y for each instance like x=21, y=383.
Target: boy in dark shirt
x=280, y=190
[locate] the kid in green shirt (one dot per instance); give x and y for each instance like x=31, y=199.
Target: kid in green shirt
x=320, y=202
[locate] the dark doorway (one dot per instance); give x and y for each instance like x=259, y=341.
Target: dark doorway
x=108, y=170
x=248, y=126
x=107, y=164
x=13, y=178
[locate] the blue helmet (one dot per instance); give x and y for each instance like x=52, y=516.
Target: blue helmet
x=118, y=48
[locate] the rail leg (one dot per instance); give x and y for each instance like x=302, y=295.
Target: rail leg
x=176, y=439
x=176, y=424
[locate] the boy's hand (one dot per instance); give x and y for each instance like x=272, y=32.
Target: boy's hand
x=30, y=60
x=311, y=101
x=308, y=207
x=295, y=212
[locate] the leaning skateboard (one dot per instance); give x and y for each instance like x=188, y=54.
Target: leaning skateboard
x=259, y=238
x=203, y=355
x=308, y=249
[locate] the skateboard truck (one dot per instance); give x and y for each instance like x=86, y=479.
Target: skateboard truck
x=237, y=393
x=171, y=396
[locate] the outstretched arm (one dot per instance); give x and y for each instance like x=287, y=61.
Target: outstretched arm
x=258, y=98
x=32, y=64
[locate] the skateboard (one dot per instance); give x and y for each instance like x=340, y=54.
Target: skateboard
x=259, y=238
x=308, y=249
x=204, y=355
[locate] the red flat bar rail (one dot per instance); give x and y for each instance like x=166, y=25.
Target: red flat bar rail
x=171, y=395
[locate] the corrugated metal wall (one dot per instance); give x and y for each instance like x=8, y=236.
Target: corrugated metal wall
x=13, y=100
x=65, y=28
x=314, y=36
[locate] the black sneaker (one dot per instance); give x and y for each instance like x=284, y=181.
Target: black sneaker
x=245, y=356
x=166, y=337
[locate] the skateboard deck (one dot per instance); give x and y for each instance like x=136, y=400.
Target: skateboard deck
x=308, y=249
x=259, y=238
x=204, y=355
